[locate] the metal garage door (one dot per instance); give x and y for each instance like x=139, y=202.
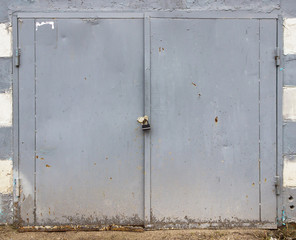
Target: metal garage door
x=83, y=80
x=209, y=89
x=213, y=115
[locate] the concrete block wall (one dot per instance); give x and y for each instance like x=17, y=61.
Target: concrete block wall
x=286, y=8
x=289, y=121
x=6, y=178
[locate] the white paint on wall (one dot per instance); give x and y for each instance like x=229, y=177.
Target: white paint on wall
x=290, y=36
x=5, y=40
x=289, y=175
x=289, y=103
x=39, y=24
x=6, y=185
x=6, y=109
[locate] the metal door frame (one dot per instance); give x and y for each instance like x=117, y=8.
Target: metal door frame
x=147, y=85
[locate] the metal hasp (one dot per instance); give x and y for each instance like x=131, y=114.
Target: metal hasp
x=144, y=122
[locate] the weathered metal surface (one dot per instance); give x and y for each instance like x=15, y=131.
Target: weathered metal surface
x=89, y=147
x=205, y=115
x=267, y=121
x=26, y=122
x=211, y=106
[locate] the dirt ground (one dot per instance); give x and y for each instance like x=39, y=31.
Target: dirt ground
x=9, y=233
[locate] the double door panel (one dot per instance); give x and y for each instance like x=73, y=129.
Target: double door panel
x=212, y=99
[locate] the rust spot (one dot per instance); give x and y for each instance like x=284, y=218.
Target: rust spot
x=265, y=180
x=110, y=178
x=49, y=211
x=84, y=78
x=216, y=119
x=193, y=84
x=253, y=184
x=162, y=49
x=47, y=165
x=159, y=49
x=36, y=156
x=95, y=163
x=199, y=94
x=42, y=158
x=247, y=196
x=106, y=158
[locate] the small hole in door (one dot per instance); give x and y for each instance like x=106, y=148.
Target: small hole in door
x=292, y=207
x=291, y=198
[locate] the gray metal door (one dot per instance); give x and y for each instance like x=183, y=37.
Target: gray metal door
x=209, y=87
x=81, y=149
x=213, y=118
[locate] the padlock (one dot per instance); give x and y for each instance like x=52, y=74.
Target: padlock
x=144, y=122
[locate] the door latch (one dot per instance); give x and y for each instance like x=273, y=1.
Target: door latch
x=144, y=122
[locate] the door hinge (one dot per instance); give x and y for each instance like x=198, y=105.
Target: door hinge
x=17, y=56
x=277, y=56
x=277, y=184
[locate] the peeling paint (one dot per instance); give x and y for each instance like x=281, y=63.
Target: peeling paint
x=290, y=36
x=289, y=103
x=6, y=182
x=39, y=24
x=5, y=40
x=289, y=175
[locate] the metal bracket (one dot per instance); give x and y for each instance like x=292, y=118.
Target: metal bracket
x=17, y=55
x=277, y=57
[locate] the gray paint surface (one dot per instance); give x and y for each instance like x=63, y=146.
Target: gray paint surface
x=85, y=121
x=289, y=70
x=5, y=74
x=26, y=121
x=6, y=214
x=5, y=143
x=207, y=119
x=289, y=138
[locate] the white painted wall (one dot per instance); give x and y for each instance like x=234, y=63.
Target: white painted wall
x=6, y=176
x=289, y=179
x=290, y=36
x=289, y=103
x=5, y=40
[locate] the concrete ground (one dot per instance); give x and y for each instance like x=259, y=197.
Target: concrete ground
x=9, y=233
